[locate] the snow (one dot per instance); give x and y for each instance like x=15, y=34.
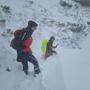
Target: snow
x=68, y=70
x=53, y=74
x=76, y=70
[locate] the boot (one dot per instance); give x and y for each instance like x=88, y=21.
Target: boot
x=26, y=72
x=37, y=70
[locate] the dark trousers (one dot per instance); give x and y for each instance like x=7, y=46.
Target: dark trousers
x=49, y=53
x=29, y=57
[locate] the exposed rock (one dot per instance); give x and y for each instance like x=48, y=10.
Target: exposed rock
x=8, y=69
x=76, y=27
x=6, y=8
x=2, y=23
x=83, y=2
x=88, y=22
x=65, y=4
x=0, y=65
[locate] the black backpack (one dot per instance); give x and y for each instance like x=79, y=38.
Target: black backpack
x=17, y=41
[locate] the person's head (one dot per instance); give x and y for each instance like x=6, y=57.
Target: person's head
x=32, y=25
x=52, y=38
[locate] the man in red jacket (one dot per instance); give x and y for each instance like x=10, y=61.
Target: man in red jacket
x=25, y=53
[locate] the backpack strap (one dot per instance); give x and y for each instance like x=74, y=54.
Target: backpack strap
x=23, y=37
x=24, y=33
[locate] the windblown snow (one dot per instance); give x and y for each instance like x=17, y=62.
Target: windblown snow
x=69, y=69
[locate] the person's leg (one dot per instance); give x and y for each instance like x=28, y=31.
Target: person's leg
x=54, y=52
x=34, y=61
x=19, y=55
x=48, y=54
x=25, y=66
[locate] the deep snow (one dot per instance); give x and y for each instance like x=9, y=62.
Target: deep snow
x=68, y=70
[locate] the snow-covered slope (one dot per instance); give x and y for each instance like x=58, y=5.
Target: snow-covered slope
x=11, y=75
x=69, y=69
x=76, y=67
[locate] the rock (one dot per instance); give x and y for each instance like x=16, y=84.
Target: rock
x=88, y=22
x=76, y=27
x=65, y=4
x=83, y=2
x=0, y=65
x=8, y=69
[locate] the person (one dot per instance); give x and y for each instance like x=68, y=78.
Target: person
x=50, y=48
x=24, y=54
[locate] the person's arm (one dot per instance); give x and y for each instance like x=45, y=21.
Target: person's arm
x=55, y=46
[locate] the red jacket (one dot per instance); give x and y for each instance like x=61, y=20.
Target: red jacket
x=27, y=43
